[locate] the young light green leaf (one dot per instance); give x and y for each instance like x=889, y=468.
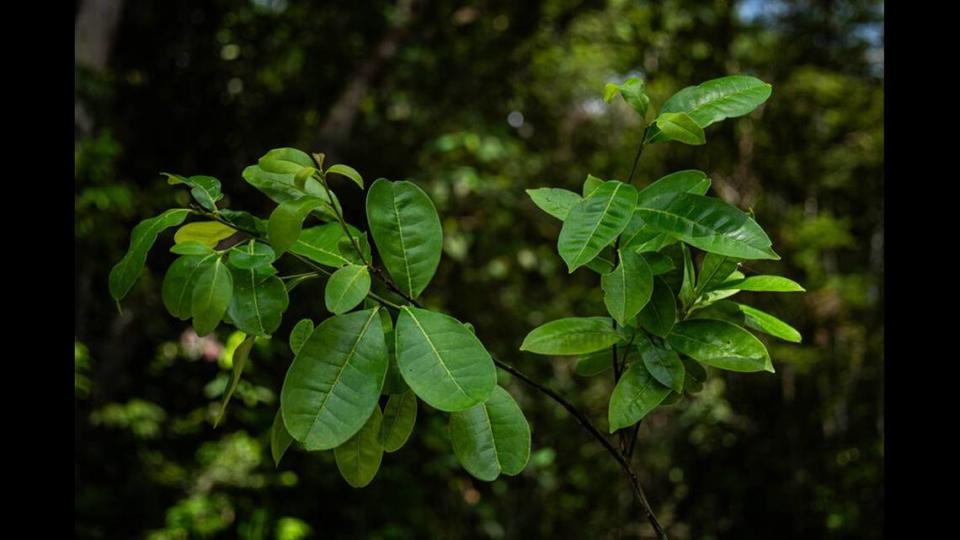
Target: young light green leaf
x=718, y=99
x=322, y=244
x=335, y=380
x=591, y=184
x=358, y=459
x=571, y=336
x=208, y=233
x=492, y=437
x=628, y=287
x=764, y=284
x=632, y=91
x=708, y=224
x=191, y=247
x=687, y=289
x=680, y=127
x=595, y=222
x=768, y=324
x=286, y=222
x=285, y=161
x=178, y=283
x=719, y=344
x=686, y=181
x=714, y=269
x=280, y=439
x=554, y=201
x=407, y=232
x=299, y=334
x=444, y=364
x=663, y=364
x=205, y=189
x=210, y=297
x=258, y=302
x=240, y=356
x=251, y=256
x=660, y=313
x=282, y=187
x=594, y=363
x=636, y=394
x=399, y=416
x=349, y=172
x=346, y=288
x=124, y=273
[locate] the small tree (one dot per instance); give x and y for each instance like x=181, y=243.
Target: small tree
x=380, y=347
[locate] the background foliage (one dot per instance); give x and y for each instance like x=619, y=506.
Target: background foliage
x=477, y=101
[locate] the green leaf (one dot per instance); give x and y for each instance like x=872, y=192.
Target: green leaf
x=764, y=284
x=636, y=394
x=554, y=201
x=708, y=224
x=204, y=189
x=407, y=232
x=335, y=380
x=594, y=363
x=359, y=458
x=663, y=364
x=124, y=273
x=282, y=187
x=399, y=416
x=252, y=256
x=680, y=127
x=208, y=233
x=595, y=222
x=658, y=262
x=443, y=362
x=349, y=252
x=178, y=283
x=299, y=334
x=210, y=297
x=628, y=288
x=768, y=324
x=258, y=302
x=346, y=288
x=285, y=160
x=718, y=99
x=240, y=356
x=244, y=221
x=714, y=269
x=280, y=439
x=322, y=244
x=394, y=383
x=286, y=222
x=660, y=313
x=591, y=184
x=695, y=373
x=687, y=289
x=492, y=437
x=349, y=172
x=719, y=344
x=632, y=91
x=191, y=248
x=571, y=336
x=686, y=181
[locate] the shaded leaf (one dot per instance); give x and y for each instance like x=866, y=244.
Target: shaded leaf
x=571, y=336
x=554, y=201
x=210, y=297
x=299, y=334
x=358, y=459
x=240, y=356
x=399, y=416
x=124, y=274
x=628, y=287
x=660, y=313
x=636, y=394
x=280, y=439
x=346, y=288
x=492, y=437
x=349, y=172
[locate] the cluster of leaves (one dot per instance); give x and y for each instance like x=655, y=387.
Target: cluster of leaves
x=668, y=318
x=378, y=348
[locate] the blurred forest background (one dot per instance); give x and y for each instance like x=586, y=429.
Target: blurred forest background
x=422, y=90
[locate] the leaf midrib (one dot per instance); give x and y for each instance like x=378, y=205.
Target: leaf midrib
x=436, y=353
x=616, y=189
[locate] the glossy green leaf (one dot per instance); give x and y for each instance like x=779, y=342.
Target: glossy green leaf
x=349, y=172
x=443, y=362
x=660, y=313
x=358, y=459
x=768, y=324
x=686, y=181
x=285, y=160
x=658, y=262
x=680, y=127
x=335, y=380
x=714, y=270
x=591, y=184
x=208, y=233
x=687, y=287
x=346, y=288
x=718, y=99
x=708, y=224
x=602, y=263
x=764, y=284
x=348, y=248
x=399, y=416
x=406, y=231
x=663, y=364
x=628, y=287
x=240, y=356
x=210, y=297
x=554, y=201
x=282, y=187
x=719, y=344
x=124, y=273
x=714, y=296
x=258, y=302
x=299, y=334
x=595, y=222
x=571, y=336
x=178, y=283
x=191, y=247
x=286, y=222
x=636, y=394
x=594, y=363
x=251, y=256
x=492, y=437
x=280, y=439
x=204, y=189
x=322, y=244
